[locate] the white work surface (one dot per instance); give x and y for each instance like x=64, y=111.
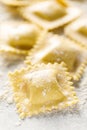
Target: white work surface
x=75, y=119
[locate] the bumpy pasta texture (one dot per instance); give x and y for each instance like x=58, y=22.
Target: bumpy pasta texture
x=42, y=88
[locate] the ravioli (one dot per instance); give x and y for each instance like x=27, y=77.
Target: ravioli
x=49, y=14
x=42, y=88
x=47, y=11
x=77, y=31
x=54, y=48
x=18, y=36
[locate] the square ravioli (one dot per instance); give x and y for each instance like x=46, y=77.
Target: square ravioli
x=54, y=48
x=49, y=14
x=42, y=88
x=78, y=31
x=18, y=36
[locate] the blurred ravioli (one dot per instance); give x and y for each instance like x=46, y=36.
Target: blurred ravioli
x=49, y=14
x=77, y=31
x=18, y=36
x=54, y=48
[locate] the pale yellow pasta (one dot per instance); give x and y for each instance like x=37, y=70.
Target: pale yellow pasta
x=56, y=49
x=18, y=36
x=42, y=88
x=77, y=31
x=49, y=14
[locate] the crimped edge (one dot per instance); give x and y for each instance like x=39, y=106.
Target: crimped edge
x=70, y=87
x=36, y=46
x=76, y=76
x=79, y=73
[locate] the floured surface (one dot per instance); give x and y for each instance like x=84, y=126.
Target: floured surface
x=69, y=120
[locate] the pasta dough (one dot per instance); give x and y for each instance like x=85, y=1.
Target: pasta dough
x=78, y=31
x=42, y=88
x=18, y=36
x=49, y=14
x=56, y=49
